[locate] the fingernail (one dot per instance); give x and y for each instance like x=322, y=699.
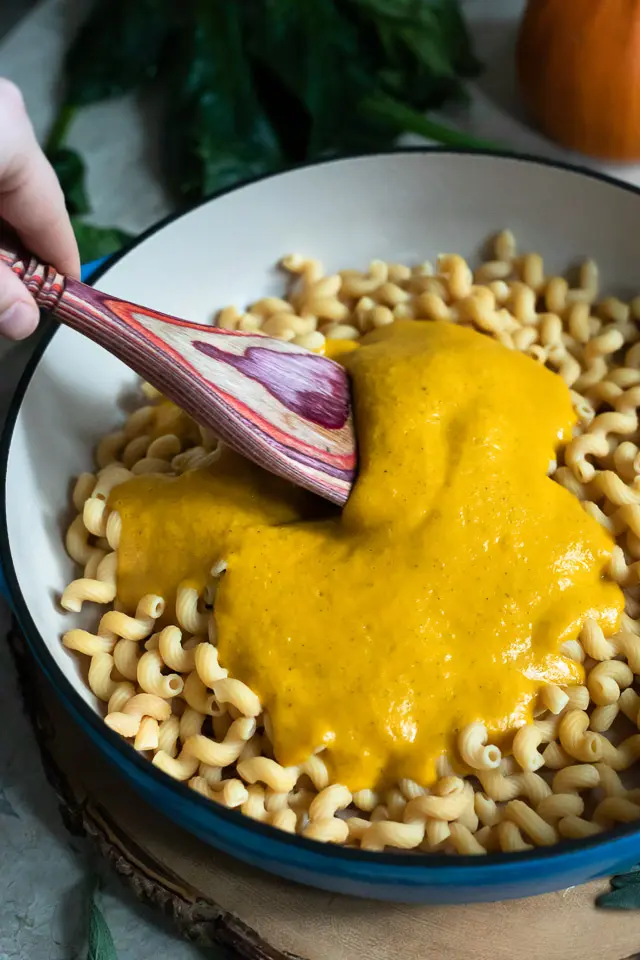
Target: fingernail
x=19, y=320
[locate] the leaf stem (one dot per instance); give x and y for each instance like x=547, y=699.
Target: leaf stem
x=406, y=119
x=60, y=127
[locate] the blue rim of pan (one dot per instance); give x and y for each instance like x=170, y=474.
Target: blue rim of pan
x=405, y=868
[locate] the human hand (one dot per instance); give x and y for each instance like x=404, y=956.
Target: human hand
x=31, y=201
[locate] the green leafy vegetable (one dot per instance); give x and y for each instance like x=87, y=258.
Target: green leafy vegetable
x=405, y=119
x=624, y=893
x=255, y=86
x=96, y=242
x=70, y=170
x=93, y=242
x=117, y=49
x=68, y=164
x=420, y=49
x=101, y=945
x=216, y=132
x=314, y=54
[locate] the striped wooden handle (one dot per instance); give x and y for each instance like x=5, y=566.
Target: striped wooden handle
x=285, y=408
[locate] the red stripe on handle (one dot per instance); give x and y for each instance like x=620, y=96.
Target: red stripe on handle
x=276, y=403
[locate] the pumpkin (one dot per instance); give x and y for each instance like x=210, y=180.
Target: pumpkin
x=579, y=71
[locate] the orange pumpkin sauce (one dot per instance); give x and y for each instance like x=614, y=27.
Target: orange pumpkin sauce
x=439, y=596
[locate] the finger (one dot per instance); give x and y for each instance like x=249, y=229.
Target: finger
x=31, y=198
x=18, y=311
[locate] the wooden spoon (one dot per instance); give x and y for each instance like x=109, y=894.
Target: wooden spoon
x=276, y=403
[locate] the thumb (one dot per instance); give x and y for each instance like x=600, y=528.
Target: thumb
x=19, y=313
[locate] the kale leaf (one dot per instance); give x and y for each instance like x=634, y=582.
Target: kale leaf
x=314, y=54
x=254, y=86
x=97, y=242
x=420, y=49
x=117, y=49
x=216, y=130
x=70, y=170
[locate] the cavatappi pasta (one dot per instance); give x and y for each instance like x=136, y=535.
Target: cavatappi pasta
x=566, y=774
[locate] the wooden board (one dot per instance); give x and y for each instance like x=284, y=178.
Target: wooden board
x=212, y=898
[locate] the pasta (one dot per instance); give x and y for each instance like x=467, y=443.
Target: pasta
x=331, y=830
x=228, y=750
x=165, y=690
x=182, y=767
x=510, y=839
x=328, y=801
x=168, y=733
x=464, y=841
x=238, y=694
x=138, y=627
x=99, y=679
x=449, y=803
x=525, y=747
x=101, y=588
x=575, y=828
x=575, y=738
x=263, y=769
x=126, y=656
x=405, y=836
x=152, y=680
x=190, y=724
x=530, y=823
x=555, y=699
x=254, y=806
x=197, y=696
x=206, y=664
x=148, y=735
x=174, y=654
x=560, y=805
x=473, y=749
x=189, y=616
x=607, y=679
x=89, y=643
x=122, y=693
x=231, y=793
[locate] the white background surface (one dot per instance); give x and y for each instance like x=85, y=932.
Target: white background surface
x=44, y=874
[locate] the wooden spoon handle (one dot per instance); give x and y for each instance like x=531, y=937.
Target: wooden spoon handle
x=44, y=283
x=244, y=386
